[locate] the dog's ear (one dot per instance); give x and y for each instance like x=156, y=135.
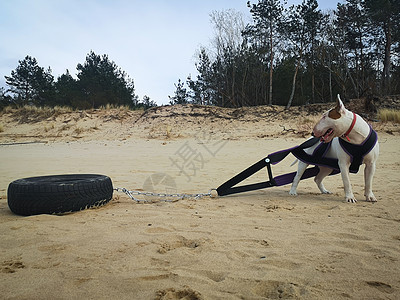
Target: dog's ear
x=336, y=113
x=339, y=105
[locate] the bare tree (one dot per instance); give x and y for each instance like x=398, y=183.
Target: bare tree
x=228, y=27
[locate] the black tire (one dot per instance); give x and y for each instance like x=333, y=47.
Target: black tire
x=58, y=194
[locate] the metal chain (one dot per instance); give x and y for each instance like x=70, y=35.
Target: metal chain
x=166, y=197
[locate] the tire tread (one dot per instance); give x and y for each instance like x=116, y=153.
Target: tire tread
x=58, y=193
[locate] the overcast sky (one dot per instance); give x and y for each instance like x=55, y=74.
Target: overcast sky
x=153, y=41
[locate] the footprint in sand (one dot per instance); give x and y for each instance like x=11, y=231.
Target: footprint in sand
x=178, y=243
x=383, y=287
x=279, y=290
x=11, y=266
x=185, y=293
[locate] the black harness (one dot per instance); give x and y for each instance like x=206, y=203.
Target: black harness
x=356, y=153
x=317, y=158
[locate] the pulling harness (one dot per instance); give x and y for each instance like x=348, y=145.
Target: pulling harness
x=317, y=158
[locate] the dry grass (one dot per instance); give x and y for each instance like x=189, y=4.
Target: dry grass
x=49, y=127
x=1, y=128
x=79, y=130
x=7, y=110
x=389, y=115
x=168, y=132
x=122, y=108
x=32, y=114
x=305, y=125
x=64, y=127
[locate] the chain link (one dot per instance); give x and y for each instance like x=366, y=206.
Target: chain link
x=167, y=197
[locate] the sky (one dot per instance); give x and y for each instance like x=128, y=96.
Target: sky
x=154, y=41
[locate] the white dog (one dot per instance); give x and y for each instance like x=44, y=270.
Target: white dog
x=343, y=127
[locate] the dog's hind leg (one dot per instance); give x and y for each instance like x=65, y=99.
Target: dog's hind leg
x=323, y=172
x=368, y=176
x=300, y=171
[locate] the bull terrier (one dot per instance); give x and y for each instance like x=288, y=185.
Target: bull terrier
x=341, y=127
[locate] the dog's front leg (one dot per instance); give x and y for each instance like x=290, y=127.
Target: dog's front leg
x=368, y=176
x=300, y=171
x=344, y=170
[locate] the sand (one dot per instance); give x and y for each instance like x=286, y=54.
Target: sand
x=258, y=245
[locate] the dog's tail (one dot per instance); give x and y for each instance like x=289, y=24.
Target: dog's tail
x=295, y=162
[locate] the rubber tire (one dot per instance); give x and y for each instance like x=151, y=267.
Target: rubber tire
x=58, y=193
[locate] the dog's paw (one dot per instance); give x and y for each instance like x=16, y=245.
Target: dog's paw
x=324, y=191
x=370, y=198
x=351, y=199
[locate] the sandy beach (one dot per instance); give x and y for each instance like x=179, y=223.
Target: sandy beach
x=263, y=244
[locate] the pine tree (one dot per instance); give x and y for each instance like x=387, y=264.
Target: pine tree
x=30, y=83
x=181, y=95
x=102, y=82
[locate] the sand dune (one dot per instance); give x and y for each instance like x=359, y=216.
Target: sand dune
x=258, y=245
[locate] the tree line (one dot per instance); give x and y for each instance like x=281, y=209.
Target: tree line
x=298, y=55
x=284, y=56
x=99, y=82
